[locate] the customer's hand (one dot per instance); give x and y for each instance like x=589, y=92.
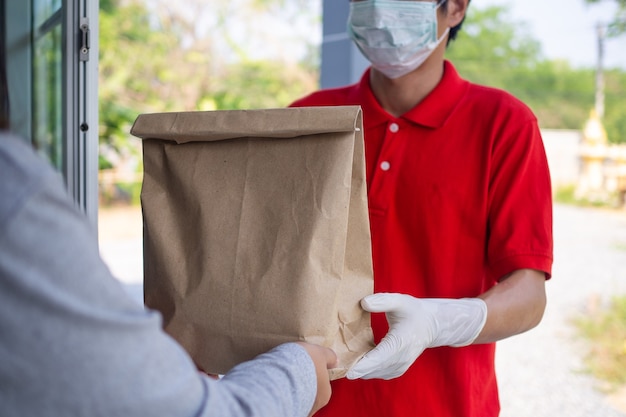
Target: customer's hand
x=324, y=359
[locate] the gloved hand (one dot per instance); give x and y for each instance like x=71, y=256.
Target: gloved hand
x=414, y=325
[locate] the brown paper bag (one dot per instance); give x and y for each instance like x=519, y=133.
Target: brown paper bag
x=256, y=231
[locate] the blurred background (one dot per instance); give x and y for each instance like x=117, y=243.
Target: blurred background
x=81, y=71
x=566, y=59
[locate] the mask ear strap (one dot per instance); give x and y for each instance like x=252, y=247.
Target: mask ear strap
x=434, y=45
x=439, y=3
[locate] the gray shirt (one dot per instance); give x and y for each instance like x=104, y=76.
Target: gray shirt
x=73, y=343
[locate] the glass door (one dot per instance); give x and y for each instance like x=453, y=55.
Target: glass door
x=52, y=77
x=48, y=135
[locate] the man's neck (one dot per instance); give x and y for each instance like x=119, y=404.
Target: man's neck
x=398, y=96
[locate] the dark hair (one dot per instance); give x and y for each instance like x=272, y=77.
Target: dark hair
x=4, y=89
x=453, y=30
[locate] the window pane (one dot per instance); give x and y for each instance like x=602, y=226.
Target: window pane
x=47, y=96
x=44, y=9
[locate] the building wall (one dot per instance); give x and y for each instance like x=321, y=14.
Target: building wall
x=563, y=153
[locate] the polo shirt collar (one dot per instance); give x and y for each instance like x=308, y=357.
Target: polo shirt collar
x=431, y=112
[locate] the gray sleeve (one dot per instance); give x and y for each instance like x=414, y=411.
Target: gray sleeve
x=73, y=343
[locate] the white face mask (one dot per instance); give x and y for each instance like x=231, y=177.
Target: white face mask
x=396, y=36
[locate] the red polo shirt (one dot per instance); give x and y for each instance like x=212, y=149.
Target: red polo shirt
x=459, y=196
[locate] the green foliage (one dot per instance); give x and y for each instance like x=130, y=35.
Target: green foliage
x=127, y=69
x=618, y=25
x=127, y=193
x=487, y=50
x=132, y=190
x=505, y=56
x=255, y=84
x=605, y=329
x=155, y=56
x=567, y=195
x=103, y=162
x=615, y=105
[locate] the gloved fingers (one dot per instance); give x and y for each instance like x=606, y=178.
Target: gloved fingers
x=383, y=302
x=384, y=361
x=391, y=372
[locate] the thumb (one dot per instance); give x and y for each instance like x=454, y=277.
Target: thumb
x=370, y=363
x=331, y=358
x=382, y=302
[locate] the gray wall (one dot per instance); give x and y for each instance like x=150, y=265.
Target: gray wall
x=342, y=62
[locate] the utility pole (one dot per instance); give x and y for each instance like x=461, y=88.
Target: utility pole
x=599, y=107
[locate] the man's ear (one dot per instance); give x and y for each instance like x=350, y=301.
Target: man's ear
x=456, y=12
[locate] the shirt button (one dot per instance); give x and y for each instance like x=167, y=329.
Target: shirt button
x=385, y=166
x=393, y=128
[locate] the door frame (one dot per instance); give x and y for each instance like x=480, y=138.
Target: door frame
x=79, y=89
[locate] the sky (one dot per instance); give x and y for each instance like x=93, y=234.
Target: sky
x=567, y=28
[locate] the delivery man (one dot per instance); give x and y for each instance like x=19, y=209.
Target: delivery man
x=460, y=214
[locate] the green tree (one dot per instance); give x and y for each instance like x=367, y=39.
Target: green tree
x=159, y=55
x=618, y=25
x=496, y=51
x=133, y=68
x=486, y=50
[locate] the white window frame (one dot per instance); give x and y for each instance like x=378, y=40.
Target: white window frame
x=81, y=124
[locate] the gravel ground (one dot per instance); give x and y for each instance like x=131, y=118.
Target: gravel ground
x=541, y=373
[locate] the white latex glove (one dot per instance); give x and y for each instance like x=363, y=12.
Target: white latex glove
x=414, y=325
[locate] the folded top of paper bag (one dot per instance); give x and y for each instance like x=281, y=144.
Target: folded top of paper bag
x=228, y=124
